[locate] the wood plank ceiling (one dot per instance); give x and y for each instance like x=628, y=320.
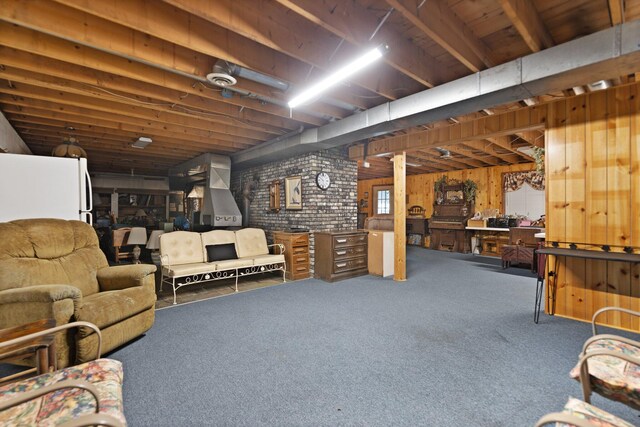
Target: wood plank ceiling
x=110, y=71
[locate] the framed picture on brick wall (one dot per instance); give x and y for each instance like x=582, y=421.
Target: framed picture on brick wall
x=293, y=192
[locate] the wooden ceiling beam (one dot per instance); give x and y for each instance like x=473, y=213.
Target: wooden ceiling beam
x=126, y=44
x=96, y=162
x=51, y=47
x=500, y=141
x=62, y=98
x=355, y=24
x=69, y=113
x=32, y=115
x=173, y=25
x=433, y=157
x=107, y=139
x=271, y=26
x=489, y=148
x=616, y=11
x=182, y=103
x=467, y=151
x=423, y=162
x=505, y=143
x=113, y=164
x=105, y=152
x=51, y=128
x=528, y=23
x=440, y=24
x=507, y=123
x=111, y=104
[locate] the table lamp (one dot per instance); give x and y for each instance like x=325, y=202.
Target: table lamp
x=137, y=236
x=154, y=244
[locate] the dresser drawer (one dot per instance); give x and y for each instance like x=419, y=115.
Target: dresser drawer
x=350, y=264
x=299, y=240
x=341, y=241
x=349, y=252
x=300, y=268
x=299, y=250
x=300, y=258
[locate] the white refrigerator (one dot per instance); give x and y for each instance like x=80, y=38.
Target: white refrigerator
x=44, y=187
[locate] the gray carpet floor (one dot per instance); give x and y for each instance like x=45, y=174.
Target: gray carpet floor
x=454, y=345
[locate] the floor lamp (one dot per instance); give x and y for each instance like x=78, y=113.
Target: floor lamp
x=137, y=236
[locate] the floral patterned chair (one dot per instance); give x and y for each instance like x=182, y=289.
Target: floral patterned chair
x=82, y=395
x=610, y=365
x=577, y=413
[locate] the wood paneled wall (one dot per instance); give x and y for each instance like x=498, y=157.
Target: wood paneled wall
x=592, y=146
x=593, y=197
x=420, y=187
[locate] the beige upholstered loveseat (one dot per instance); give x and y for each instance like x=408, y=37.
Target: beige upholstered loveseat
x=189, y=257
x=51, y=268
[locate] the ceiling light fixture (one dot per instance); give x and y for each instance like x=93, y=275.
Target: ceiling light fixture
x=444, y=153
x=69, y=148
x=142, y=142
x=340, y=75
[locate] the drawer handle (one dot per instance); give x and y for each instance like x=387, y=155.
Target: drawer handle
x=341, y=252
x=343, y=264
x=341, y=240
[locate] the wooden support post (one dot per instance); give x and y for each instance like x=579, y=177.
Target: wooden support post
x=399, y=217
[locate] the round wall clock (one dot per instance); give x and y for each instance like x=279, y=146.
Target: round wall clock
x=323, y=181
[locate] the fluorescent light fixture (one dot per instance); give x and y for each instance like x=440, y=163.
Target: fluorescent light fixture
x=142, y=142
x=415, y=165
x=340, y=75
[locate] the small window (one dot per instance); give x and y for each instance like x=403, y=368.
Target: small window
x=383, y=200
x=525, y=201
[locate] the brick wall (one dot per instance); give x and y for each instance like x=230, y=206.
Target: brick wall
x=330, y=210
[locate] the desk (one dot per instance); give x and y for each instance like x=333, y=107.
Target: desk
x=490, y=240
x=41, y=347
x=580, y=253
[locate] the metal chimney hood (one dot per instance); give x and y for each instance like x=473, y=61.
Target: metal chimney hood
x=219, y=208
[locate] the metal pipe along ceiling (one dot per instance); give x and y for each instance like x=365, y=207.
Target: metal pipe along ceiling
x=600, y=56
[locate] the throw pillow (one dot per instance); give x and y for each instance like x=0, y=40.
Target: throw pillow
x=221, y=252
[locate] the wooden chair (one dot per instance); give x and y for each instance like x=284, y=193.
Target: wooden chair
x=610, y=365
x=120, y=237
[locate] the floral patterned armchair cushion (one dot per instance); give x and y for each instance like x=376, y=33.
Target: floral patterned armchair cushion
x=68, y=403
x=578, y=413
x=610, y=364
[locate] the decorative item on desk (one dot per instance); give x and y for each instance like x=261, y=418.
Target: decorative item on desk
x=502, y=222
x=137, y=236
x=154, y=245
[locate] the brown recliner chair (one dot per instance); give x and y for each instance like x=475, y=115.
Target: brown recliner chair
x=51, y=268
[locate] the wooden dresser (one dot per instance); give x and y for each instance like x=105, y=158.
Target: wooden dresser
x=340, y=255
x=296, y=253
